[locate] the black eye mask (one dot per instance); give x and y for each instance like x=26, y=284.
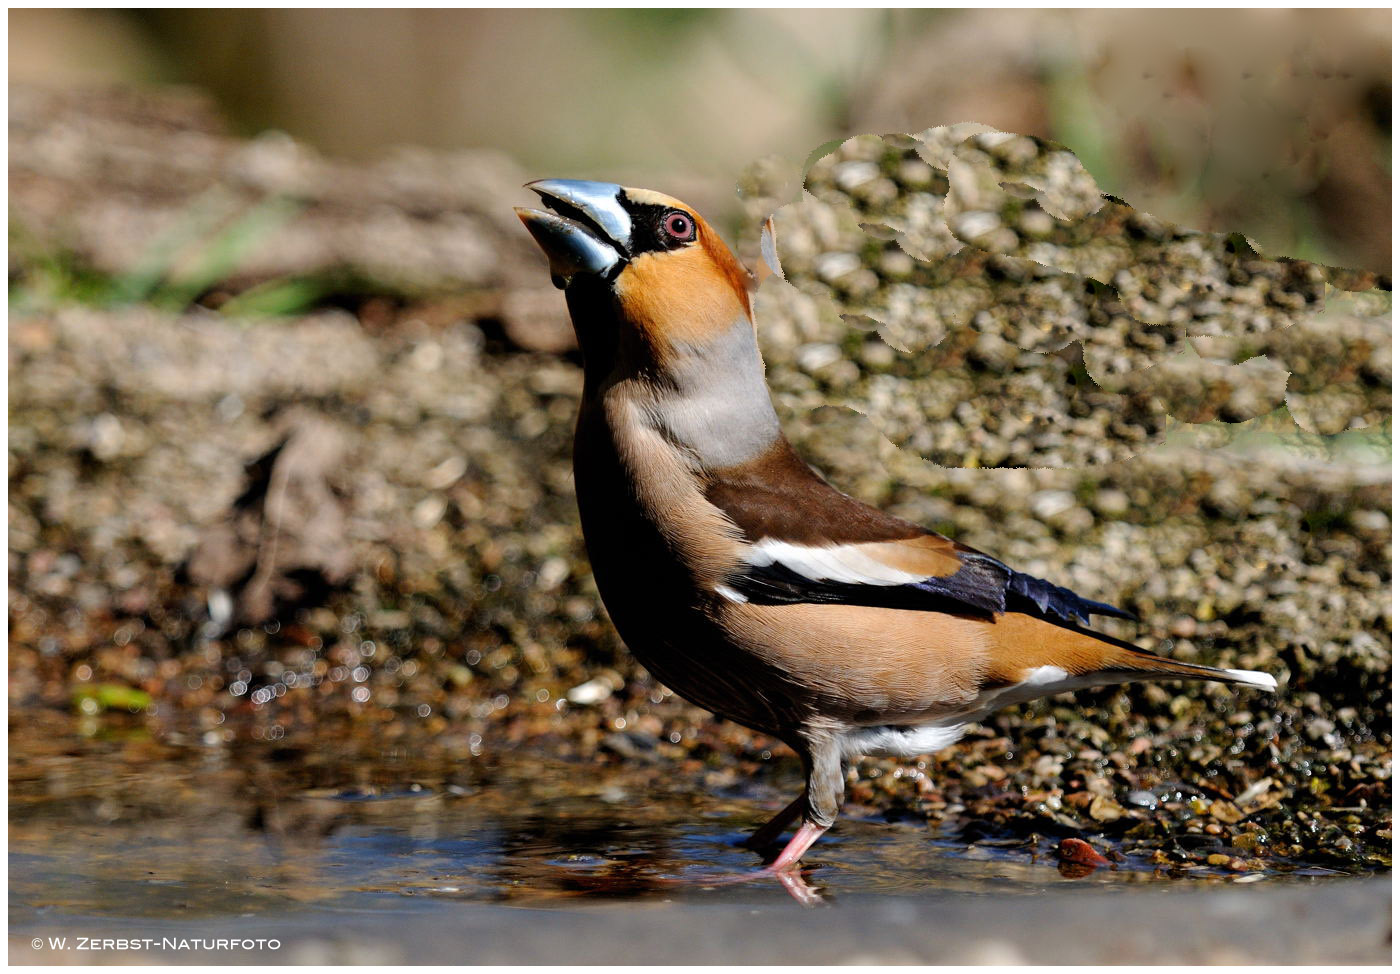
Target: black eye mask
x=653, y=226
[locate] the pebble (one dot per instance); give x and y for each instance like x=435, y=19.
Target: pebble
x=1142, y=799
x=592, y=692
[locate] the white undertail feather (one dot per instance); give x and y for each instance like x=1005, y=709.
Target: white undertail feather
x=902, y=742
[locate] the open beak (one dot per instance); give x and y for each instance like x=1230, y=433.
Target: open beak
x=588, y=232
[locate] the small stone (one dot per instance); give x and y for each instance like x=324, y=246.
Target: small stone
x=831, y=266
x=1112, y=502
x=1103, y=809
x=816, y=357
x=1079, y=852
x=1254, y=792
x=429, y=511
x=445, y=474
x=1183, y=627
x=551, y=573
x=594, y=691
x=106, y=437
x=1036, y=223
x=1246, y=841
x=1142, y=799
x=975, y=223
x=1227, y=812
x=1048, y=504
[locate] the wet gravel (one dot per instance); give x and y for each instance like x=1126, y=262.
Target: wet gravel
x=1245, y=519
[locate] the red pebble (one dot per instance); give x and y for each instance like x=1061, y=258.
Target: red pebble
x=1080, y=853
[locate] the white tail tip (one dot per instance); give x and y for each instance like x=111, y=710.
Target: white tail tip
x=1253, y=678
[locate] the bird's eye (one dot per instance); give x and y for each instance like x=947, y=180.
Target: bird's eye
x=678, y=225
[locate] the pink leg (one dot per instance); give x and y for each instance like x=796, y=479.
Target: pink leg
x=773, y=828
x=822, y=800
x=800, y=842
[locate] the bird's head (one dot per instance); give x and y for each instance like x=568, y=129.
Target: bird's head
x=647, y=280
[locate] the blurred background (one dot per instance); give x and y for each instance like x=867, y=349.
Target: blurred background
x=299, y=607
x=1274, y=123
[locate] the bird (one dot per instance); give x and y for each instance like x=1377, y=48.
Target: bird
x=739, y=576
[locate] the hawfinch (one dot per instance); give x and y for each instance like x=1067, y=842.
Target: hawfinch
x=735, y=573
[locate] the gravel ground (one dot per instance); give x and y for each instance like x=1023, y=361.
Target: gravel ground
x=231, y=528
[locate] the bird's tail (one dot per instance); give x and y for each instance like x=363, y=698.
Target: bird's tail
x=1090, y=657
x=1145, y=663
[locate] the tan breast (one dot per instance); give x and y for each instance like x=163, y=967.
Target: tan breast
x=657, y=549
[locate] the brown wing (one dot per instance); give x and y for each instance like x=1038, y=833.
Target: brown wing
x=808, y=542
x=778, y=496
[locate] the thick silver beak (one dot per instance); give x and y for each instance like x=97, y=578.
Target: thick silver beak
x=589, y=232
x=570, y=247
x=596, y=203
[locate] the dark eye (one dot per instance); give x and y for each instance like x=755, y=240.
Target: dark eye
x=678, y=225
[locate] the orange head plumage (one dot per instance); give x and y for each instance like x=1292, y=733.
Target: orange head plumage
x=643, y=273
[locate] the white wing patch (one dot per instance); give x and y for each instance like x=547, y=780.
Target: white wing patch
x=828, y=563
x=725, y=592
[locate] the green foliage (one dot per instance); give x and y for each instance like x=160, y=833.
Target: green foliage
x=649, y=24
x=1074, y=120
x=96, y=698
x=204, y=247
x=51, y=277
x=280, y=297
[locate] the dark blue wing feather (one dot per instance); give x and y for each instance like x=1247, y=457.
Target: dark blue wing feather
x=982, y=587
x=1036, y=596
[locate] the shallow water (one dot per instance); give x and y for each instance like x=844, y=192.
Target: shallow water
x=136, y=834
x=98, y=830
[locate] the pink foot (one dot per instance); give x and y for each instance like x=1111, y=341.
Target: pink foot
x=797, y=846
x=783, y=869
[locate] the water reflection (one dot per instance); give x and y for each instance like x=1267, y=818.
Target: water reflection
x=139, y=828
